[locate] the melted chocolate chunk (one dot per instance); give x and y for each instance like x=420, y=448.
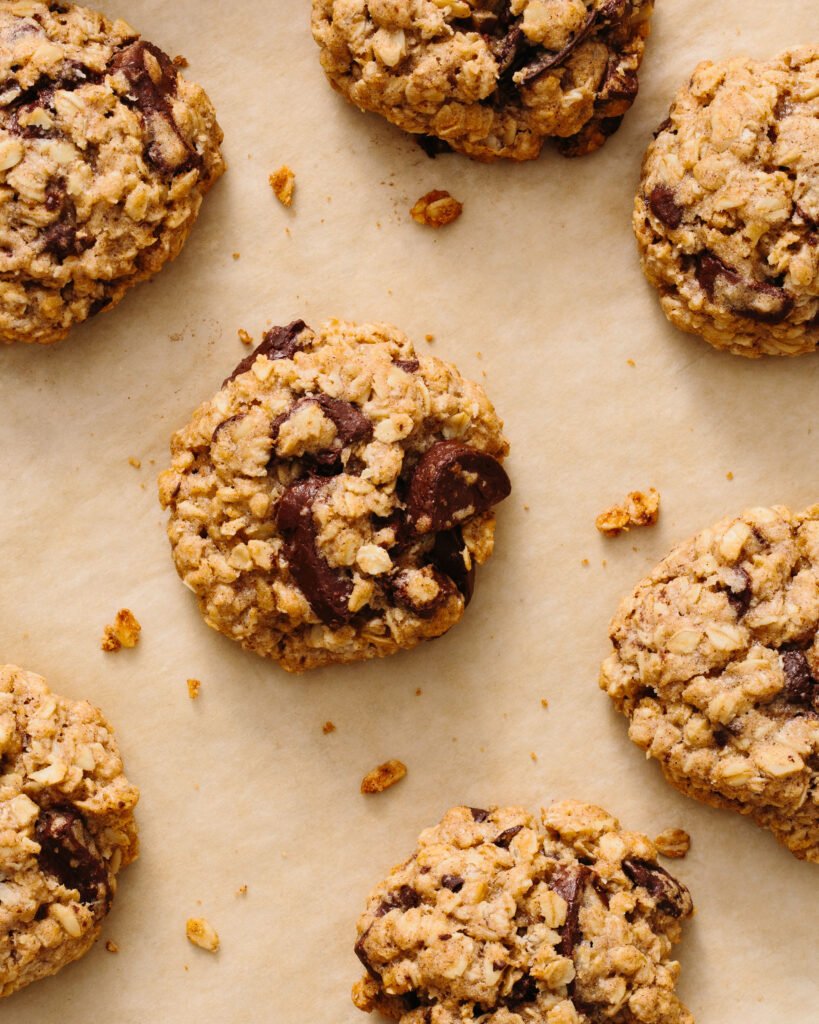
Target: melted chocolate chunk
x=451, y=482
x=664, y=206
x=361, y=953
x=67, y=852
x=524, y=990
x=432, y=146
x=672, y=897
x=278, y=343
x=663, y=126
x=800, y=686
x=399, y=587
x=478, y=814
x=570, y=884
x=448, y=556
x=403, y=899
x=548, y=60
x=326, y=589
x=506, y=49
x=757, y=300
x=742, y=595
x=61, y=238
x=351, y=425
x=407, y=365
x=452, y=882
x=506, y=837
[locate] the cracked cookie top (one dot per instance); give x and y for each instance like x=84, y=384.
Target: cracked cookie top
x=105, y=154
x=727, y=216
x=492, y=78
x=332, y=501
x=501, y=918
x=716, y=664
x=66, y=827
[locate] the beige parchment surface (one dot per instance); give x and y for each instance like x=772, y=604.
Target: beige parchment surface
x=537, y=288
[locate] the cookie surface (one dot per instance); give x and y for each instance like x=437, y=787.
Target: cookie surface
x=66, y=827
x=502, y=918
x=331, y=502
x=716, y=664
x=728, y=209
x=105, y=154
x=492, y=78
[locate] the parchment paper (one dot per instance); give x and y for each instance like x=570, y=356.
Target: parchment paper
x=538, y=289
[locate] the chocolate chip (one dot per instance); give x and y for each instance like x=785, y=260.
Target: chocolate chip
x=547, y=60
x=326, y=589
x=278, y=343
x=672, y=896
x=506, y=49
x=61, y=238
x=404, y=898
x=620, y=83
x=570, y=884
x=399, y=584
x=407, y=365
x=361, y=953
x=740, y=594
x=506, y=837
x=524, y=990
x=351, y=424
x=448, y=555
x=800, y=686
x=665, y=207
x=432, y=146
x=452, y=882
x=68, y=852
x=756, y=300
x=441, y=493
x=478, y=814
x=663, y=126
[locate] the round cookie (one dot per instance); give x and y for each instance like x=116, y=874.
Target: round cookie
x=105, y=154
x=492, y=78
x=715, y=664
x=727, y=216
x=501, y=918
x=331, y=502
x=66, y=827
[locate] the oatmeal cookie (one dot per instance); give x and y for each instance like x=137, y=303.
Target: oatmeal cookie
x=332, y=501
x=716, y=662
x=492, y=78
x=501, y=918
x=727, y=215
x=66, y=827
x=105, y=154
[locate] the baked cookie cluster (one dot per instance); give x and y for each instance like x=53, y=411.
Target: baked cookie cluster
x=504, y=918
x=491, y=78
x=332, y=501
x=105, y=154
x=716, y=666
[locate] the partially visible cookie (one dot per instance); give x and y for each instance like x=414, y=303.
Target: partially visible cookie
x=492, y=78
x=727, y=216
x=501, y=918
x=332, y=501
x=66, y=827
x=716, y=662
x=105, y=154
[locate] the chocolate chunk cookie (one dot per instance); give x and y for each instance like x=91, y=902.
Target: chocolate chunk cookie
x=332, y=501
x=727, y=216
x=66, y=827
x=716, y=664
x=501, y=918
x=105, y=154
x=492, y=78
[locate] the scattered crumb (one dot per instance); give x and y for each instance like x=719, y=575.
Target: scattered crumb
x=533, y=756
x=194, y=686
x=283, y=183
x=134, y=462
x=237, y=255
x=111, y=946
x=177, y=336
x=327, y=728
x=631, y=362
x=429, y=338
x=242, y=890
x=638, y=510
x=384, y=776
x=673, y=842
x=201, y=934
x=543, y=702
x=418, y=692
x=436, y=209
x=244, y=337
x=585, y=563
x=123, y=633
x=729, y=475
x=180, y=62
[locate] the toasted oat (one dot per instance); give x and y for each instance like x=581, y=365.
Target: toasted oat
x=111, y=946
x=244, y=337
x=201, y=934
x=283, y=183
x=327, y=728
x=194, y=688
x=123, y=633
x=436, y=209
x=639, y=509
x=133, y=461
x=673, y=842
x=384, y=776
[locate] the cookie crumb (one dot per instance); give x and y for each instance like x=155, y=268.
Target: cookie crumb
x=673, y=842
x=729, y=475
x=429, y=338
x=242, y=890
x=194, y=687
x=585, y=563
x=631, y=362
x=436, y=209
x=123, y=633
x=639, y=509
x=244, y=337
x=237, y=255
x=201, y=934
x=384, y=776
x=533, y=756
x=327, y=728
x=111, y=946
x=418, y=692
x=283, y=183
x=543, y=702
x=181, y=62
x=134, y=462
